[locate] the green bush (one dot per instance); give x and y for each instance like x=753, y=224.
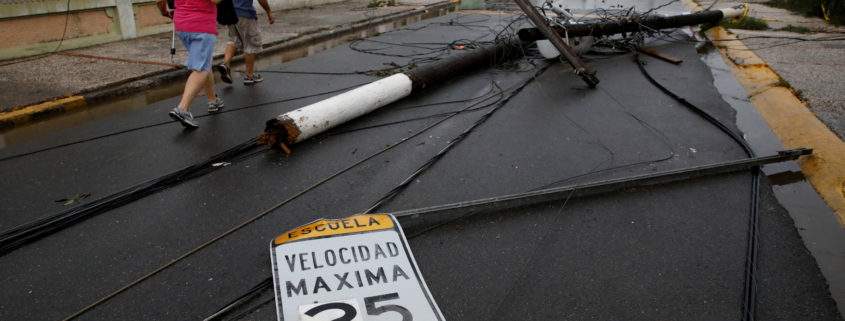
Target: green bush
x=381, y=3
x=832, y=11
x=796, y=29
x=746, y=22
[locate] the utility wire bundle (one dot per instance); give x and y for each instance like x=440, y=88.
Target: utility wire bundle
x=20, y=235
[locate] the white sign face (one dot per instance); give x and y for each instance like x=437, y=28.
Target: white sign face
x=355, y=269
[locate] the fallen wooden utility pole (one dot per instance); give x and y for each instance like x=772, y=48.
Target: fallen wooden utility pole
x=300, y=124
x=645, y=24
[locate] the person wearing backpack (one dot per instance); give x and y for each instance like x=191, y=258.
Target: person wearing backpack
x=195, y=22
x=244, y=36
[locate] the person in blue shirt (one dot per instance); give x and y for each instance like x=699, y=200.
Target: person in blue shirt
x=244, y=36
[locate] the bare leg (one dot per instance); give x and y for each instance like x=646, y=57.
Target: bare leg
x=195, y=82
x=249, y=61
x=209, y=87
x=228, y=54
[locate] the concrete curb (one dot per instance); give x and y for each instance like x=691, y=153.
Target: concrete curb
x=85, y=98
x=41, y=110
x=788, y=117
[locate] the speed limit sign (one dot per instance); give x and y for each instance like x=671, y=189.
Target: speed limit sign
x=359, y=268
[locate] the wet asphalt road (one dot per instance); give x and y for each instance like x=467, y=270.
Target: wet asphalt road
x=668, y=252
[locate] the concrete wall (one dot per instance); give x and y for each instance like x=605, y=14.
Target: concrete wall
x=31, y=27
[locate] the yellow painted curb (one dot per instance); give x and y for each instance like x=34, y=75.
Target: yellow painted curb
x=33, y=112
x=788, y=117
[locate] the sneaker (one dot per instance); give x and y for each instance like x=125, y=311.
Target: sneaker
x=215, y=105
x=184, y=117
x=256, y=78
x=225, y=73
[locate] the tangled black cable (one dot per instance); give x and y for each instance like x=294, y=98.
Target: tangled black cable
x=258, y=216
x=724, y=43
x=265, y=284
x=452, y=143
x=262, y=286
x=789, y=41
x=16, y=237
x=373, y=72
x=749, y=297
x=749, y=293
x=631, y=44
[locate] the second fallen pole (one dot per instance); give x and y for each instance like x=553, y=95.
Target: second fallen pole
x=636, y=24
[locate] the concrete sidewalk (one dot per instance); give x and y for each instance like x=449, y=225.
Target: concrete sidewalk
x=106, y=70
x=813, y=69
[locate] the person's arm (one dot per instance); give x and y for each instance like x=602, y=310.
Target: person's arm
x=162, y=8
x=269, y=12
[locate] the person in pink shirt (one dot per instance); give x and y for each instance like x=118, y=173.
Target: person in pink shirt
x=195, y=21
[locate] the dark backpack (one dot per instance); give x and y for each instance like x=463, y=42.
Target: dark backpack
x=226, y=14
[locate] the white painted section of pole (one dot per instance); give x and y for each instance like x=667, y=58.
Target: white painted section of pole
x=734, y=12
x=323, y=115
x=548, y=51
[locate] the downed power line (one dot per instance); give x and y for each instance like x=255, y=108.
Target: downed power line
x=300, y=124
x=636, y=24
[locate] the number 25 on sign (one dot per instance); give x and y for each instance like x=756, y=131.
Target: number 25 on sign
x=348, y=310
x=359, y=268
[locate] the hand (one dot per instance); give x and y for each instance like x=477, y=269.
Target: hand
x=270, y=18
x=162, y=8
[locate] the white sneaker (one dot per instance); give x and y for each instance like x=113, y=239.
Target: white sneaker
x=215, y=105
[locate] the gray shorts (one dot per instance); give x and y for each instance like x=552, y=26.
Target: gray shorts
x=245, y=35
